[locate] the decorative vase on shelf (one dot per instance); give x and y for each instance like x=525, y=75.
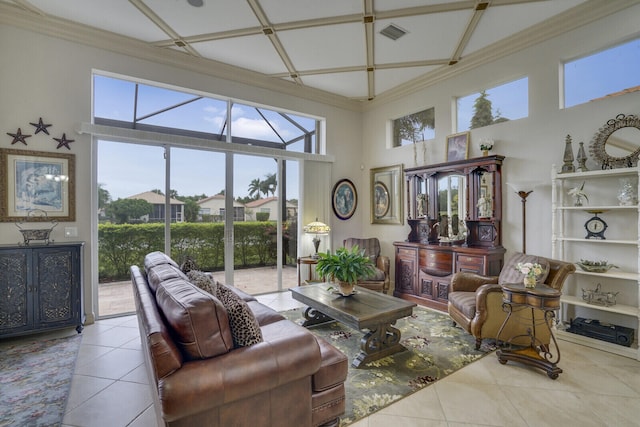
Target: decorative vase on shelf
x=627, y=193
x=529, y=281
x=568, y=156
x=485, y=153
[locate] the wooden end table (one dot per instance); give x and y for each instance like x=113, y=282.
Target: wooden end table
x=311, y=262
x=365, y=309
x=515, y=296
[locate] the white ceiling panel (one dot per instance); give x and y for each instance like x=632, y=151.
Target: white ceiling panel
x=351, y=85
x=117, y=16
x=279, y=11
x=254, y=53
x=427, y=37
x=388, y=79
x=212, y=17
x=325, y=47
x=385, y=5
x=504, y=21
x=307, y=37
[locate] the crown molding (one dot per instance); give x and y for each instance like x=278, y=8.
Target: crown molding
x=569, y=20
x=67, y=30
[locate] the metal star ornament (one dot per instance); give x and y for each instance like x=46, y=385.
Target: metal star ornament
x=64, y=142
x=40, y=126
x=18, y=137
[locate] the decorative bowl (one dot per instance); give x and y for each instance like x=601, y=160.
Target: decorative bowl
x=595, y=266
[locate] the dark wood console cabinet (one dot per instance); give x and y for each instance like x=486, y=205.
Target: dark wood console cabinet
x=454, y=214
x=423, y=271
x=40, y=288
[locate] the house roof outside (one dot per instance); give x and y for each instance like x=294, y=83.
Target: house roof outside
x=221, y=198
x=266, y=200
x=154, y=198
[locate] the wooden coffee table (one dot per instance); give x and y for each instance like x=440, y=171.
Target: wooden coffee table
x=364, y=310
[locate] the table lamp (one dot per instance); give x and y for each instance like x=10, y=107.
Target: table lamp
x=317, y=228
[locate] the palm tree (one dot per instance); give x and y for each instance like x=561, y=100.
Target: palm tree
x=255, y=188
x=270, y=184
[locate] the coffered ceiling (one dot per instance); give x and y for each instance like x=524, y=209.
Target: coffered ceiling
x=333, y=46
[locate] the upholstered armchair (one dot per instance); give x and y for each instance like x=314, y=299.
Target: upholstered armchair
x=379, y=281
x=475, y=301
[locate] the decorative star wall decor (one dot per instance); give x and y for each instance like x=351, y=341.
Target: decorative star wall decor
x=64, y=142
x=18, y=137
x=40, y=126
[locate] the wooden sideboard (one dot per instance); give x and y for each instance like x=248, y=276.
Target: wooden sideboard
x=424, y=271
x=40, y=288
x=454, y=215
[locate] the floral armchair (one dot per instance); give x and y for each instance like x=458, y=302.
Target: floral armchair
x=379, y=281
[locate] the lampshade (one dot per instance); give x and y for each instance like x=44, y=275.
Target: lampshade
x=317, y=227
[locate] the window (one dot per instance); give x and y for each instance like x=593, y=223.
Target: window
x=607, y=73
x=414, y=127
x=509, y=101
x=135, y=105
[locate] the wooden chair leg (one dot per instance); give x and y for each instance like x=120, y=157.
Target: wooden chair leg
x=478, y=342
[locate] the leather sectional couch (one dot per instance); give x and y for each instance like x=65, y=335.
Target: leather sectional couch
x=200, y=378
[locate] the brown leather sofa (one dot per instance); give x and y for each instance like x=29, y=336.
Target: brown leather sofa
x=290, y=378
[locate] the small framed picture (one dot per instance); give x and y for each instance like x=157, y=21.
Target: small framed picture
x=458, y=146
x=345, y=199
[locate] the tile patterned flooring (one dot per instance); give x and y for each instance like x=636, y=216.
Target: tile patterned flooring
x=110, y=387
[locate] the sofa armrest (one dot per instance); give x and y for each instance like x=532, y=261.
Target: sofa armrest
x=289, y=352
x=470, y=282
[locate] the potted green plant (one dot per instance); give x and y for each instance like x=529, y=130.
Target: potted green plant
x=346, y=266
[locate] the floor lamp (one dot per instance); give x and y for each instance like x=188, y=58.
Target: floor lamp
x=523, y=198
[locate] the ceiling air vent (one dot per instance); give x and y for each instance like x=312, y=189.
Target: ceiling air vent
x=393, y=32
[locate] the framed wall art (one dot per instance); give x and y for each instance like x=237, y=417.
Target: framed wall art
x=386, y=195
x=36, y=180
x=458, y=146
x=344, y=199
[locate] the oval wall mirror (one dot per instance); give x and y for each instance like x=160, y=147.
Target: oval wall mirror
x=617, y=143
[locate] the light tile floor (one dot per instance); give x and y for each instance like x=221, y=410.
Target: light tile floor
x=110, y=387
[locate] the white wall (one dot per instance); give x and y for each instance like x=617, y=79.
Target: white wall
x=531, y=145
x=51, y=78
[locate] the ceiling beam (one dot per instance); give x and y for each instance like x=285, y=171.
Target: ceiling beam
x=480, y=7
x=159, y=22
x=268, y=30
x=368, y=20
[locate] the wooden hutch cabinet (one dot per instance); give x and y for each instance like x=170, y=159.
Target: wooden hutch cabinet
x=40, y=288
x=454, y=213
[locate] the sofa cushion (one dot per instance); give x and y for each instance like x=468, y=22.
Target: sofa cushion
x=157, y=258
x=203, y=280
x=465, y=302
x=264, y=315
x=509, y=274
x=161, y=273
x=198, y=320
x=377, y=275
x=245, y=329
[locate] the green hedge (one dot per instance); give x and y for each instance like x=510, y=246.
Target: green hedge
x=123, y=245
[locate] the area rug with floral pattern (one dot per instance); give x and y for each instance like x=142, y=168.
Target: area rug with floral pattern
x=35, y=379
x=435, y=349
